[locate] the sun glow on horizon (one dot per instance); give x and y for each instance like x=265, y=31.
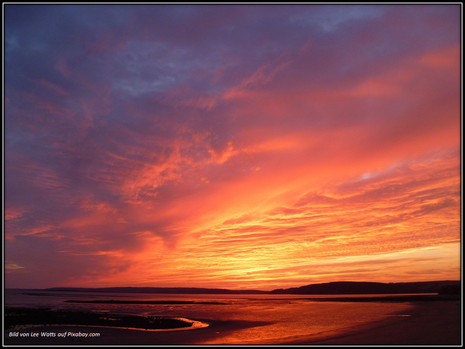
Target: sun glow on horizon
x=177, y=149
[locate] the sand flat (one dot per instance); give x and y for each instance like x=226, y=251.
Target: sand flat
x=114, y=336
x=427, y=323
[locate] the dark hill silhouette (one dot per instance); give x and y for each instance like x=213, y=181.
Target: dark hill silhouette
x=351, y=287
x=339, y=287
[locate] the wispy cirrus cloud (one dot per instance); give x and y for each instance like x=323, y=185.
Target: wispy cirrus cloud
x=230, y=142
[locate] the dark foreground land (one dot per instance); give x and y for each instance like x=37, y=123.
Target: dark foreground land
x=428, y=323
x=15, y=317
x=432, y=321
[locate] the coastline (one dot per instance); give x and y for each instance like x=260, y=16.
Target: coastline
x=425, y=323
x=117, y=336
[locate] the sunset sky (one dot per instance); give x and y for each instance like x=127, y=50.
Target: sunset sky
x=239, y=146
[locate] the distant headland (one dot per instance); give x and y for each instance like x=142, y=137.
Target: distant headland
x=330, y=288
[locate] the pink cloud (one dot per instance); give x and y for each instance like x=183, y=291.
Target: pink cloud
x=245, y=149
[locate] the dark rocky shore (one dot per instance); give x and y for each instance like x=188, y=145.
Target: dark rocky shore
x=26, y=316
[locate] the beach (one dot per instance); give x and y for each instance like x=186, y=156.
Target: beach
x=116, y=336
x=426, y=323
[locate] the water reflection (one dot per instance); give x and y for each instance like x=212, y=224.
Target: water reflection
x=262, y=319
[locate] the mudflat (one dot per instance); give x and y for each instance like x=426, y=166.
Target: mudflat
x=426, y=323
x=115, y=336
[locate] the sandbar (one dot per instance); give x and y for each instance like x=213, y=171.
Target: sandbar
x=426, y=323
x=119, y=336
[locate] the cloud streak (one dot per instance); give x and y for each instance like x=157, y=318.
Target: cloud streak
x=232, y=146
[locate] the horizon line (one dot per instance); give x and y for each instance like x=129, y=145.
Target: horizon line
x=228, y=289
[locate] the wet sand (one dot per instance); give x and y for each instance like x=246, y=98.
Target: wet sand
x=115, y=336
x=427, y=323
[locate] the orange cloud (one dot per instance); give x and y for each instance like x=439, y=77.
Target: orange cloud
x=211, y=156
x=444, y=58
